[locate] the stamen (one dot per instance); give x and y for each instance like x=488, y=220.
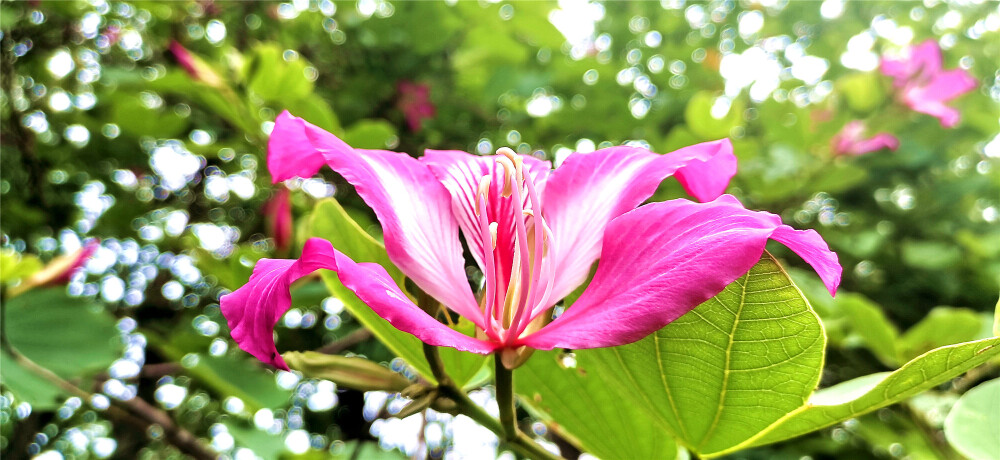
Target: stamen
x=493, y=234
x=509, y=172
x=483, y=192
x=487, y=230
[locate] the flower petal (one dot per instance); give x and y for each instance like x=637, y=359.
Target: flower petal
x=943, y=87
x=252, y=310
x=663, y=259
x=589, y=190
x=925, y=57
x=292, y=150
x=421, y=234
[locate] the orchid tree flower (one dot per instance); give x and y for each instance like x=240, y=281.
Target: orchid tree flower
x=924, y=86
x=851, y=140
x=534, y=233
x=415, y=103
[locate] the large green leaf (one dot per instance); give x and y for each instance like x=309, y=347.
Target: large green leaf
x=330, y=221
x=729, y=368
x=973, y=425
x=70, y=336
x=864, y=394
x=580, y=406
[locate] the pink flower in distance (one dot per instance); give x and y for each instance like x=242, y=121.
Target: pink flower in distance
x=924, y=86
x=851, y=141
x=534, y=233
x=414, y=101
x=193, y=65
x=278, y=212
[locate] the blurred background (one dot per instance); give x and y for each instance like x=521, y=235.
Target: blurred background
x=134, y=186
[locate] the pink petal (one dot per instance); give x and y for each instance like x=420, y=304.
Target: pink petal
x=460, y=173
x=943, y=87
x=421, y=235
x=923, y=58
x=252, y=310
x=878, y=142
x=663, y=259
x=589, y=190
x=292, y=150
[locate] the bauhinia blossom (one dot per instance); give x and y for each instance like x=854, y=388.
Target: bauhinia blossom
x=923, y=85
x=851, y=140
x=534, y=233
x=415, y=103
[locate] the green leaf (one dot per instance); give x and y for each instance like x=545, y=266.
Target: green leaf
x=864, y=394
x=70, y=336
x=579, y=406
x=942, y=326
x=28, y=386
x=330, y=221
x=370, y=134
x=698, y=116
x=851, y=319
x=863, y=91
x=272, y=78
x=263, y=444
x=14, y=265
x=729, y=368
x=973, y=425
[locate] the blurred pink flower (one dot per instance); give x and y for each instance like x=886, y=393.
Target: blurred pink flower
x=193, y=65
x=61, y=269
x=534, y=232
x=278, y=212
x=923, y=85
x=414, y=102
x=851, y=141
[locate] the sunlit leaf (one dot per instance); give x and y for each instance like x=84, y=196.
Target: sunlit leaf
x=570, y=394
x=729, y=368
x=973, y=425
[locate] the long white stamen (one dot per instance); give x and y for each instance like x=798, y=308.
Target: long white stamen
x=482, y=193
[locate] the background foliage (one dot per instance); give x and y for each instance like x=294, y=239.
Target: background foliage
x=106, y=134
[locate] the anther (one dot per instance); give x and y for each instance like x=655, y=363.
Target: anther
x=493, y=234
x=509, y=172
x=484, y=191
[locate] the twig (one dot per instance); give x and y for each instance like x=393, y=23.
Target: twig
x=357, y=336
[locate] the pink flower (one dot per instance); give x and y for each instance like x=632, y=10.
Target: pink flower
x=851, y=141
x=534, y=233
x=193, y=65
x=414, y=102
x=61, y=269
x=924, y=86
x=278, y=212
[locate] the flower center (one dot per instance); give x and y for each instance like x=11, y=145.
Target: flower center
x=511, y=302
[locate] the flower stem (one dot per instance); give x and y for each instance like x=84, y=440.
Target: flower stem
x=505, y=397
x=506, y=427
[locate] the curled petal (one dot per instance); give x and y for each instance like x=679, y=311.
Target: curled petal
x=664, y=259
x=293, y=148
x=421, y=234
x=252, y=310
x=589, y=190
